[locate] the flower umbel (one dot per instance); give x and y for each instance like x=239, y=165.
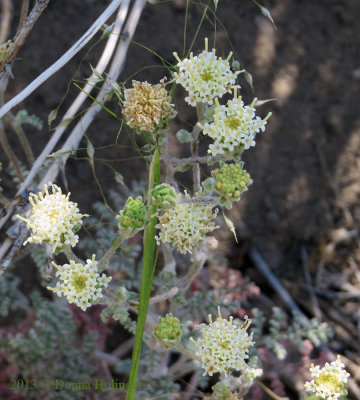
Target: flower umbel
x=168, y=330
x=223, y=346
x=54, y=219
x=328, y=382
x=205, y=76
x=164, y=196
x=231, y=180
x=222, y=391
x=235, y=126
x=80, y=284
x=147, y=107
x=186, y=225
x=133, y=216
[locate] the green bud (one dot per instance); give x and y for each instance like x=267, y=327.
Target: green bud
x=221, y=391
x=168, y=331
x=184, y=136
x=209, y=184
x=231, y=180
x=164, y=196
x=235, y=65
x=134, y=214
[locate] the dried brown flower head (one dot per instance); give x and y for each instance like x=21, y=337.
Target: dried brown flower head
x=147, y=107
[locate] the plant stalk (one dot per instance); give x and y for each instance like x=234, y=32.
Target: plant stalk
x=146, y=278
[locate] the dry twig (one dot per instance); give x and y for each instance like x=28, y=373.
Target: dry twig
x=262, y=266
x=89, y=34
x=22, y=34
x=77, y=133
x=100, y=67
x=5, y=20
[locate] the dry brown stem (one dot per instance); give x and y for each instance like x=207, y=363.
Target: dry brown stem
x=5, y=20
x=22, y=34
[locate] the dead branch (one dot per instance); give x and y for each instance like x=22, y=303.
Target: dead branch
x=62, y=60
x=72, y=143
x=5, y=20
x=22, y=34
x=262, y=266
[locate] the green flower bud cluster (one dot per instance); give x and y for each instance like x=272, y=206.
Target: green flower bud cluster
x=221, y=391
x=168, y=331
x=134, y=215
x=231, y=180
x=164, y=196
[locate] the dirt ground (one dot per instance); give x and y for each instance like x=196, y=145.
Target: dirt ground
x=303, y=209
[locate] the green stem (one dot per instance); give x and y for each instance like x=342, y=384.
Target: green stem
x=269, y=391
x=146, y=278
x=104, y=261
x=70, y=255
x=179, y=347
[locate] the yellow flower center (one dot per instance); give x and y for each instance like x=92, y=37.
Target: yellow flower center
x=330, y=381
x=232, y=122
x=53, y=215
x=79, y=282
x=207, y=76
x=224, y=345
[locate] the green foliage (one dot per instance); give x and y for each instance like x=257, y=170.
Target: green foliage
x=38, y=254
x=50, y=349
x=9, y=294
x=154, y=384
x=160, y=387
x=295, y=332
x=13, y=173
x=22, y=117
x=200, y=305
x=118, y=307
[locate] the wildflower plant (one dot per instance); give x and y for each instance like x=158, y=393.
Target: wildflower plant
x=80, y=283
x=328, y=383
x=147, y=107
x=223, y=346
x=176, y=227
x=54, y=219
x=205, y=77
x=234, y=127
x=185, y=225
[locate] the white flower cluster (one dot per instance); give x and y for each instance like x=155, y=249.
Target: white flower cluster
x=252, y=373
x=80, y=284
x=205, y=76
x=54, y=219
x=223, y=346
x=186, y=225
x=235, y=125
x=328, y=382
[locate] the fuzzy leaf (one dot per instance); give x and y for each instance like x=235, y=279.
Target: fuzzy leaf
x=107, y=29
x=259, y=103
x=52, y=116
x=209, y=184
x=119, y=178
x=22, y=117
x=249, y=79
x=90, y=151
x=184, y=136
x=230, y=225
x=265, y=12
